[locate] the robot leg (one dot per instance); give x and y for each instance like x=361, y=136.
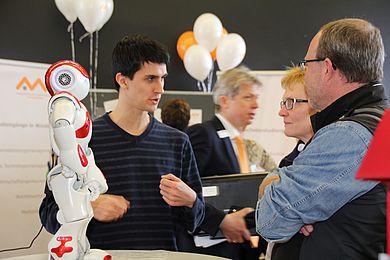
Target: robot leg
x=70, y=241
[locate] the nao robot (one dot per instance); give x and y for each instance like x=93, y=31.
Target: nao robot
x=76, y=180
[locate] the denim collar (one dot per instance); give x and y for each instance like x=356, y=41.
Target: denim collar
x=371, y=93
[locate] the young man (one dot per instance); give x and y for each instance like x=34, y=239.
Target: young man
x=154, y=188
x=343, y=69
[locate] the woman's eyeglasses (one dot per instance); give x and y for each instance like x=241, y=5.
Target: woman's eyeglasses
x=289, y=102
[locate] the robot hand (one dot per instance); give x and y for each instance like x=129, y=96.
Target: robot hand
x=96, y=183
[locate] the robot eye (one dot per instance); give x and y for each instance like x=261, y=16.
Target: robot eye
x=64, y=79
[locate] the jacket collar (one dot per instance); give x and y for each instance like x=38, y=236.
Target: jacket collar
x=371, y=93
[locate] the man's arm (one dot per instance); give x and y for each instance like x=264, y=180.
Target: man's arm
x=320, y=181
x=306, y=230
x=212, y=219
x=232, y=225
x=48, y=212
x=108, y=208
x=267, y=181
x=185, y=191
x=175, y=192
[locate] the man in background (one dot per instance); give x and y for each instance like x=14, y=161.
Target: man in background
x=218, y=142
x=220, y=149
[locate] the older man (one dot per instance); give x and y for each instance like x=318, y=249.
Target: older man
x=220, y=149
x=344, y=67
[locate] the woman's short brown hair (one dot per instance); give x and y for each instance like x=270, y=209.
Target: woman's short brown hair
x=176, y=113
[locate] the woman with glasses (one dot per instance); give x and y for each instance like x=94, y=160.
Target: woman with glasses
x=295, y=111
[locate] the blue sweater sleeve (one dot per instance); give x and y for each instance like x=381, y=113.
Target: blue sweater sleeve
x=193, y=216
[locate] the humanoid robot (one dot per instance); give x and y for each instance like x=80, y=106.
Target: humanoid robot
x=76, y=180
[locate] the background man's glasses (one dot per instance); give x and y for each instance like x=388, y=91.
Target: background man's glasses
x=289, y=102
x=302, y=63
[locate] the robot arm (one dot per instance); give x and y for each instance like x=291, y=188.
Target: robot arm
x=63, y=111
x=96, y=183
x=73, y=155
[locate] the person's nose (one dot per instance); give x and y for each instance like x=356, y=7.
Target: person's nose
x=160, y=87
x=255, y=104
x=283, y=112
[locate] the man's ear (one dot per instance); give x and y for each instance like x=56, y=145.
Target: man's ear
x=121, y=80
x=330, y=69
x=329, y=63
x=223, y=101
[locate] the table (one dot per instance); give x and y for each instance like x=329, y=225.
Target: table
x=136, y=254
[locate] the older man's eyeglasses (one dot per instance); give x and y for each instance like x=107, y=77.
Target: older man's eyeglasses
x=290, y=102
x=302, y=63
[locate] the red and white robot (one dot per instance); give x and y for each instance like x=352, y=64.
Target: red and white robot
x=76, y=180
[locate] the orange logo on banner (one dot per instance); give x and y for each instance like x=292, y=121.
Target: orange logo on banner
x=26, y=82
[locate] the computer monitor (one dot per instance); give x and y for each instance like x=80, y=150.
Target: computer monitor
x=233, y=190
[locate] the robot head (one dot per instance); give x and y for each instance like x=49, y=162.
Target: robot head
x=67, y=76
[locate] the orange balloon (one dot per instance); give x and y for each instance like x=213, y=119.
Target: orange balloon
x=186, y=40
x=214, y=52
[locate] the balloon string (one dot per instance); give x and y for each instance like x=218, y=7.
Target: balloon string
x=83, y=36
x=204, y=86
x=198, y=85
x=70, y=29
x=210, y=78
x=95, y=71
x=90, y=73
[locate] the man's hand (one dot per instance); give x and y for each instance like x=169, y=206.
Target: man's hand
x=175, y=192
x=267, y=181
x=108, y=208
x=233, y=226
x=306, y=230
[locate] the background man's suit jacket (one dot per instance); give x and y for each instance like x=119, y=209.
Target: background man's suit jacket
x=214, y=155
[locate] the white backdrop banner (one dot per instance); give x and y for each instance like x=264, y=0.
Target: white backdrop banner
x=24, y=153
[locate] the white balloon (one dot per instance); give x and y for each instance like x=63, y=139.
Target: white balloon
x=208, y=30
x=230, y=51
x=68, y=9
x=198, y=62
x=91, y=13
x=110, y=10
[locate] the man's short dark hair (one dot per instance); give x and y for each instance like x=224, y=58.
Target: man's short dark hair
x=131, y=53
